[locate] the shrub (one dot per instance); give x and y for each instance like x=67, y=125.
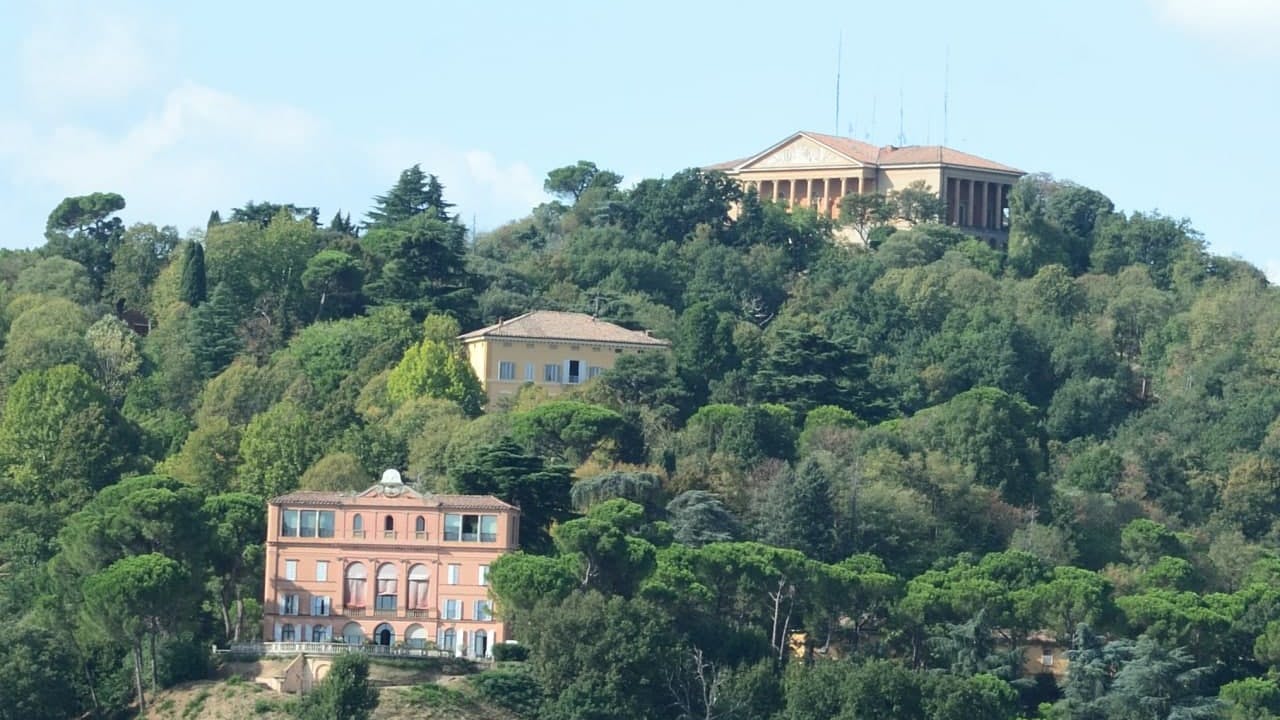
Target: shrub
x=510, y=652
x=512, y=688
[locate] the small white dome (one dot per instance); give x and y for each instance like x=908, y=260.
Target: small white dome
x=391, y=477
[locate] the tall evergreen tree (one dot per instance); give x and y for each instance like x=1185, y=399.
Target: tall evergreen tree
x=342, y=224
x=215, y=218
x=192, y=289
x=414, y=193
x=213, y=331
x=799, y=514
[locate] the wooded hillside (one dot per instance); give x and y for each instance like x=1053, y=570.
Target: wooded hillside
x=919, y=455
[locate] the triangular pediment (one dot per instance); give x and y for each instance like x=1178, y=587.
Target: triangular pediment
x=799, y=151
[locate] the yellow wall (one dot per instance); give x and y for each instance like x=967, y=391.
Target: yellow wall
x=487, y=356
x=899, y=178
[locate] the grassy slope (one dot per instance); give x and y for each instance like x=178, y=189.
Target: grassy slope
x=406, y=695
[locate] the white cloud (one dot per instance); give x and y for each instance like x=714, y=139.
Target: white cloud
x=79, y=54
x=201, y=148
x=1247, y=26
x=177, y=149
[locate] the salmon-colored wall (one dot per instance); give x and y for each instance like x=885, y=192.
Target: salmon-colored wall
x=403, y=548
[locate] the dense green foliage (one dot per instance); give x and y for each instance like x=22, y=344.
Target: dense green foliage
x=863, y=482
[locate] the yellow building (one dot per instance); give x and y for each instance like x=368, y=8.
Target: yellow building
x=553, y=350
x=810, y=169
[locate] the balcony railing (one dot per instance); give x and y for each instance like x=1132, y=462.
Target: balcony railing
x=355, y=612
x=386, y=612
x=357, y=533
x=334, y=648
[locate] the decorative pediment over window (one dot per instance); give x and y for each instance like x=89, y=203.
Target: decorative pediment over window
x=801, y=151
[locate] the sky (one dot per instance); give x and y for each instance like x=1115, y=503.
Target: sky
x=182, y=108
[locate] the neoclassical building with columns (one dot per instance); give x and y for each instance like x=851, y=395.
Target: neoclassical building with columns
x=388, y=566
x=809, y=169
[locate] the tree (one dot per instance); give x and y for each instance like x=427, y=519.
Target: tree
x=56, y=277
x=60, y=439
x=336, y=471
x=344, y=694
x=613, y=556
x=117, y=355
x=415, y=193
x=192, y=288
x=420, y=263
x=83, y=229
x=336, y=278
x=51, y=332
x=1033, y=240
x=698, y=518
x=863, y=212
x=504, y=469
x=917, y=203
x=263, y=213
x=277, y=448
x=38, y=671
x=572, y=180
x=133, y=601
x=599, y=657
x=792, y=511
x=437, y=369
x=237, y=528
x=213, y=337
x=802, y=369
x=642, y=488
x=567, y=429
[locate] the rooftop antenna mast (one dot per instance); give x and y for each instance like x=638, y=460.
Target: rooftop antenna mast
x=902, y=133
x=839, y=57
x=946, y=92
x=871, y=130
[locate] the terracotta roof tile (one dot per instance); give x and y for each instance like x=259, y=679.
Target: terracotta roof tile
x=887, y=156
x=865, y=153
x=932, y=154
x=340, y=498
x=567, y=326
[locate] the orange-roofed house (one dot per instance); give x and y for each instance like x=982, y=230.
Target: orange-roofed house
x=553, y=350
x=388, y=566
x=809, y=169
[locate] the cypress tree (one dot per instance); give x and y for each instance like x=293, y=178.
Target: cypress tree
x=215, y=218
x=192, y=289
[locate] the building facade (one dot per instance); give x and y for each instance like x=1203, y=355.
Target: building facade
x=814, y=170
x=387, y=566
x=552, y=350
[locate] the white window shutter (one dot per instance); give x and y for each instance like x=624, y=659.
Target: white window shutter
x=279, y=632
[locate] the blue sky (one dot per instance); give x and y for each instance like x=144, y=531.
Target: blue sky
x=1165, y=105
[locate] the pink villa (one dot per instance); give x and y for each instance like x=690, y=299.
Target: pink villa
x=388, y=566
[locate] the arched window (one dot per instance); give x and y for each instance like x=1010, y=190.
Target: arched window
x=352, y=634
x=386, y=599
x=480, y=644
x=448, y=639
x=388, y=527
x=416, y=636
x=355, y=579
x=320, y=633
x=418, y=586
x=384, y=635
x=357, y=526
x=287, y=633
x=420, y=528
